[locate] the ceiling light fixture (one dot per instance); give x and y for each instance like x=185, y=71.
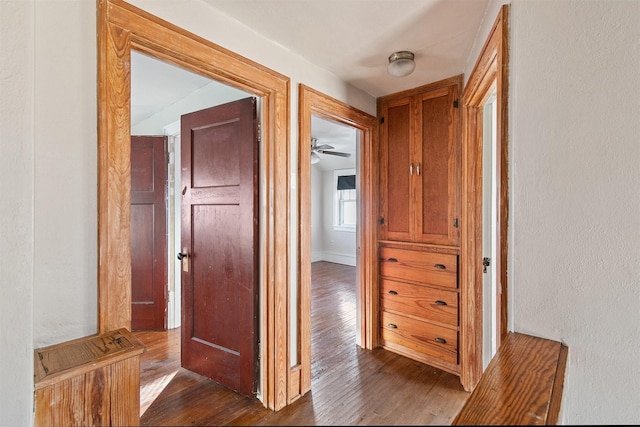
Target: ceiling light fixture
x=401, y=63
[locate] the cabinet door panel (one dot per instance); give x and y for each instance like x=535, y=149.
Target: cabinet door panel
x=438, y=184
x=395, y=179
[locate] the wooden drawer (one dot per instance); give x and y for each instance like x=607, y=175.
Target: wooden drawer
x=418, y=266
x=426, y=338
x=422, y=301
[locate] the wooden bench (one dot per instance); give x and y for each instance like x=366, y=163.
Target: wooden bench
x=89, y=381
x=521, y=386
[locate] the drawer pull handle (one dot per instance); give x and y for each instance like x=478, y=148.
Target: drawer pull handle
x=439, y=302
x=392, y=326
x=440, y=340
x=392, y=260
x=440, y=266
x=393, y=292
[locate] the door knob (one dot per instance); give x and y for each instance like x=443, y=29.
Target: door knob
x=183, y=257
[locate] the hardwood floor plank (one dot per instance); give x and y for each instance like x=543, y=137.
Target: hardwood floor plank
x=349, y=385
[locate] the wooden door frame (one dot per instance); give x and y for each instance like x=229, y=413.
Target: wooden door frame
x=312, y=102
x=491, y=71
x=122, y=27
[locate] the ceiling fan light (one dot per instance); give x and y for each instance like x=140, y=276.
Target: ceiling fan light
x=401, y=63
x=314, y=157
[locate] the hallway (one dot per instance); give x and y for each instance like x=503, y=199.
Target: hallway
x=350, y=385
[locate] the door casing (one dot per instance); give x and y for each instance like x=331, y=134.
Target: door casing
x=312, y=102
x=492, y=68
x=122, y=27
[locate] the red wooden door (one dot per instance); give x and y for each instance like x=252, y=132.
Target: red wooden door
x=148, y=233
x=220, y=244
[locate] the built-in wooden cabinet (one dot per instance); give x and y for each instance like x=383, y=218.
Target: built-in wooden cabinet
x=420, y=164
x=419, y=213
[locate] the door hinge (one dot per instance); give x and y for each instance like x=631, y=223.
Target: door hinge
x=381, y=120
x=455, y=222
x=259, y=132
x=259, y=350
x=455, y=104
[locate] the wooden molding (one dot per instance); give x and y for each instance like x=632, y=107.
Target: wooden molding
x=490, y=71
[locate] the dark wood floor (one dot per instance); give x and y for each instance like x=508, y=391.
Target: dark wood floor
x=349, y=385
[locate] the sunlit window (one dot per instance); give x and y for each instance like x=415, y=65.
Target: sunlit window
x=347, y=207
x=346, y=211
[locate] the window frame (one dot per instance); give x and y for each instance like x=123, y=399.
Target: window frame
x=338, y=202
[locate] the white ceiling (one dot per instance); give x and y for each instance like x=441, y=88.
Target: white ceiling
x=351, y=38
x=354, y=38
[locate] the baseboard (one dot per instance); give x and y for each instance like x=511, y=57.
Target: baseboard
x=336, y=258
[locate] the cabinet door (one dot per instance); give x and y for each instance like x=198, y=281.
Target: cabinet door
x=438, y=181
x=395, y=159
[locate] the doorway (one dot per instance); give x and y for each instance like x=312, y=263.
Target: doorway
x=312, y=106
x=166, y=98
x=334, y=224
x=490, y=289
x=121, y=28
x=485, y=122
x=160, y=94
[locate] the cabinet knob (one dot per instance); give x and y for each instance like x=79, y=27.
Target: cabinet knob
x=392, y=260
x=440, y=340
x=440, y=266
x=392, y=326
x=439, y=302
x=393, y=292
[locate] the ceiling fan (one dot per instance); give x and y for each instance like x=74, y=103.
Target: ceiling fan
x=322, y=149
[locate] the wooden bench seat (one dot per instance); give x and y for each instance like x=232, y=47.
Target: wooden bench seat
x=521, y=386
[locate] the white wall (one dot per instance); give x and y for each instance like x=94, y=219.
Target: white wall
x=16, y=211
x=574, y=227
x=575, y=198
x=328, y=244
x=65, y=192
x=317, y=236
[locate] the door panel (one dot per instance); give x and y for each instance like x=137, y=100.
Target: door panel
x=395, y=171
x=219, y=236
x=439, y=185
x=148, y=233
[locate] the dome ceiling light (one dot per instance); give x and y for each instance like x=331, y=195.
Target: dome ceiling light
x=401, y=63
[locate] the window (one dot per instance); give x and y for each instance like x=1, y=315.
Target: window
x=345, y=206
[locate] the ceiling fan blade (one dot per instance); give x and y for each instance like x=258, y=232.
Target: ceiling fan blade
x=336, y=153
